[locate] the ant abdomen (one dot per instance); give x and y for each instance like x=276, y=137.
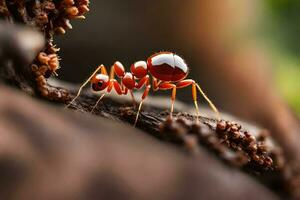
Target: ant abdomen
x=167, y=66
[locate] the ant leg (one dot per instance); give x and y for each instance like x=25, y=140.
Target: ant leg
x=155, y=84
x=117, y=87
x=186, y=83
x=118, y=69
x=125, y=92
x=145, y=94
x=102, y=68
x=112, y=84
x=138, y=113
x=142, y=82
x=133, y=99
x=101, y=97
x=112, y=72
x=195, y=86
x=168, y=86
x=173, y=97
x=194, y=94
x=213, y=107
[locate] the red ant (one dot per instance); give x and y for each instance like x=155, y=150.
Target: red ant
x=168, y=72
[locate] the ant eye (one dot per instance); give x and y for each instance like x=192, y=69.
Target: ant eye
x=100, y=83
x=98, y=86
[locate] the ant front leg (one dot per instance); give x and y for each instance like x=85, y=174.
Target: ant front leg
x=145, y=94
x=142, y=82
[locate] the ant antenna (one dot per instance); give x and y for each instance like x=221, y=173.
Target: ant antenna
x=84, y=84
x=138, y=113
x=112, y=72
x=213, y=107
x=100, y=98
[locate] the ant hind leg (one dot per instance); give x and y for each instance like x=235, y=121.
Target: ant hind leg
x=186, y=83
x=213, y=107
x=195, y=86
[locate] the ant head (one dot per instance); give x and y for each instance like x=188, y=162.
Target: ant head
x=100, y=82
x=139, y=69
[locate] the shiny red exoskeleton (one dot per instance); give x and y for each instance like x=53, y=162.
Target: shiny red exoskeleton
x=166, y=69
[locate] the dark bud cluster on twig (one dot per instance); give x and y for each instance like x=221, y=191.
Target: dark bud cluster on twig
x=256, y=155
x=237, y=147
x=49, y=17
x=227, y=139
x=255, y=150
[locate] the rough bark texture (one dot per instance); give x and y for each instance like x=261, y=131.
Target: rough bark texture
x=48, y=152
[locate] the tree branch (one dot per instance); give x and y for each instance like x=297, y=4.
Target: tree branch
x=250, y=150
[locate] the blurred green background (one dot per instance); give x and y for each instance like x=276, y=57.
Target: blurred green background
x=283, y=32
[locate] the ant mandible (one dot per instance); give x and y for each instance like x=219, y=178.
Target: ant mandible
x=168, y=72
